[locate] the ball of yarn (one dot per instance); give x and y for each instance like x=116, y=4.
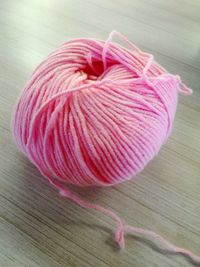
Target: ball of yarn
x=94, y=112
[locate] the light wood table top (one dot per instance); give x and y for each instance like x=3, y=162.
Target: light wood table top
x=40, y=228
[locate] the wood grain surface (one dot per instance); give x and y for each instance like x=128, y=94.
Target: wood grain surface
x=40, y=228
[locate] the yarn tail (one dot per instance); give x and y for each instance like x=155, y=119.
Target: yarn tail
x=119, y=233
x=123, y=229
x=182, y=88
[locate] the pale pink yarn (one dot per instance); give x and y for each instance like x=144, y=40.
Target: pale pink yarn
x=94, y=114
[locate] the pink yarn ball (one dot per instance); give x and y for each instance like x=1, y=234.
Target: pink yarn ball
x=95, y=113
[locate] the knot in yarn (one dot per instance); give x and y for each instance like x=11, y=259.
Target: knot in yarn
x=94, y=112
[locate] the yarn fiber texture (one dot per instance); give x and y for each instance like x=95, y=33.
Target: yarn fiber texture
x=94, y=113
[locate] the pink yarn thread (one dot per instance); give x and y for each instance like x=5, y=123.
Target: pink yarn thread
x=94, y=114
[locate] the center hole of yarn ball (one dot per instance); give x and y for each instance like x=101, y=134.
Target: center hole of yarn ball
x=96, y=70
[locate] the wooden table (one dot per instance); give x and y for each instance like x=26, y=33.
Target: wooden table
x=40, y=228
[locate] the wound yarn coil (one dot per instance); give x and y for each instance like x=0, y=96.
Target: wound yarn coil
x=94, y=113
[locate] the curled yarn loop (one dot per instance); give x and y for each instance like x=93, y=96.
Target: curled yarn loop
x=94, y=113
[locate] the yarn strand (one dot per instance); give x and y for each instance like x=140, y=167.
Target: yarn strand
x=119, y=234
x=183, y=89
x=123, y=229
